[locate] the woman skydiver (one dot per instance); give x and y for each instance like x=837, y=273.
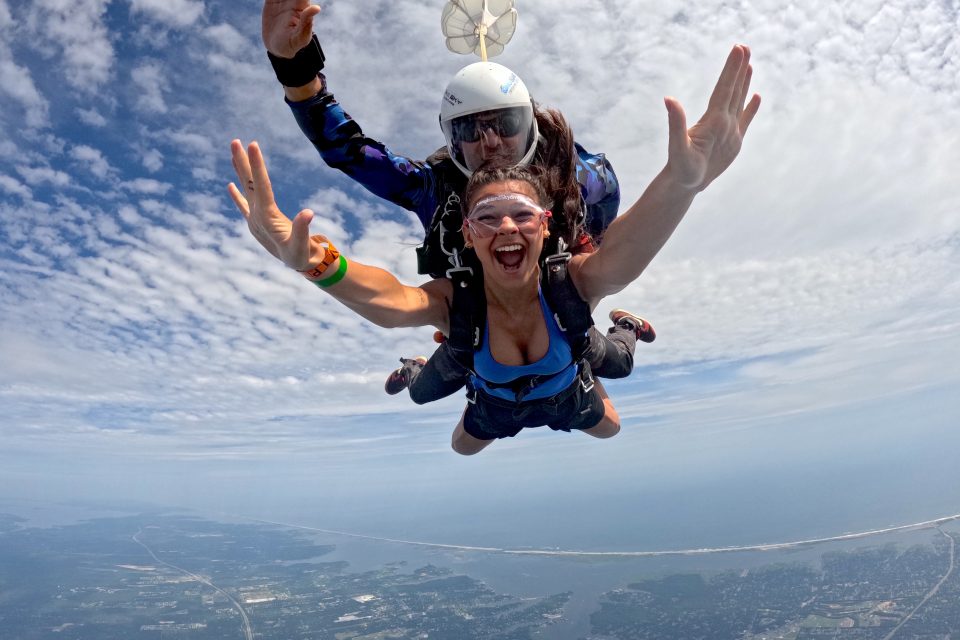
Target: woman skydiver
x=483, y=126
x=506, y=215
x=447, y=370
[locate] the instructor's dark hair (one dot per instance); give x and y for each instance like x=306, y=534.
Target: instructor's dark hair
x=556, y=156
x=556, y=153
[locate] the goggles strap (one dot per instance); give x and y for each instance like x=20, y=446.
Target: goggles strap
x=514, y=197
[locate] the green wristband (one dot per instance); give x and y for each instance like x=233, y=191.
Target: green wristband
x=335, y=278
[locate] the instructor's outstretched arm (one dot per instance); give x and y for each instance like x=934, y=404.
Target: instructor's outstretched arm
x=286, y=27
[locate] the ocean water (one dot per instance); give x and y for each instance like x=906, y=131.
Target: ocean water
x=797, y=479
x=735, y=512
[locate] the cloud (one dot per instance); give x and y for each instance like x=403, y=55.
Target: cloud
x=151, y=83
x=152, y=160
x=228, y=39
x=843, y=184
x=93, y=161
x=5, y=18
x=236, y=335
x=44, y=175
x=11, y=185
x=147, y=186
x=144, y=318
x=17, y=84
x=91, y=117
x=77, y=30
x=193, y=142
x=173, y=13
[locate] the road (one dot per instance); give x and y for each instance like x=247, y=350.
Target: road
x=247, y=629
x=930, y=593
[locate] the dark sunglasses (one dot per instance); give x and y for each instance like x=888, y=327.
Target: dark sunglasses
x=505, y=123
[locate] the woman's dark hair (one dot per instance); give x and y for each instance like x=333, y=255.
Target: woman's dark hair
x=532, y=175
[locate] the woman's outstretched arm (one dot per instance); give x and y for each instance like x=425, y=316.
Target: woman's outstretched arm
x=696, y=156
x=371, y=292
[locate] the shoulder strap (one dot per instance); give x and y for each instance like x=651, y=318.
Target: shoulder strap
x=569, y=309
x=468, y=310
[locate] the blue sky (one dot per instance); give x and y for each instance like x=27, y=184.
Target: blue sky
x=151, y=350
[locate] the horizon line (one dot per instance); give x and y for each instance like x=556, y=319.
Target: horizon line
x=926, y=524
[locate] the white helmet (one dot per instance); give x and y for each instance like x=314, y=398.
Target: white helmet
x=480, y=88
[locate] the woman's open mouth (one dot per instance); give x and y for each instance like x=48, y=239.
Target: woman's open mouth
x=510, y=256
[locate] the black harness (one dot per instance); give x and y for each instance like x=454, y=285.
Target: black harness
x=468, y=316
x=443, y=254
x=444, y=238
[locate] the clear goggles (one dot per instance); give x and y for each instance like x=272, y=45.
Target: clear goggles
x=486, y=217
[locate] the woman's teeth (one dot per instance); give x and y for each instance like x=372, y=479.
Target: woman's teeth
x=510, y=255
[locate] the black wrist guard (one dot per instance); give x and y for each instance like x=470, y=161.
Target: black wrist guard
x=301, y=68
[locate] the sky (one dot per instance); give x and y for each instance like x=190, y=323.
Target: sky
x=805, y=308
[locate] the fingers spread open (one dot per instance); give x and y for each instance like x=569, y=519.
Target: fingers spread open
x=263, y=190
x=742, y=92
x=743, y=85
x=306, y=20
x=239, y=200
x=726, y=85
x=241, y=165
x=300, y=234
x=748, y=113
x=678, y=138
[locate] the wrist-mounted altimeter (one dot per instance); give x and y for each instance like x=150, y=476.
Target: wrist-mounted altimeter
x=301, y=68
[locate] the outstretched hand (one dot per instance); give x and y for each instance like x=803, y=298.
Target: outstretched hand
x=287, y=25
x=289, y=241
x=699, y=154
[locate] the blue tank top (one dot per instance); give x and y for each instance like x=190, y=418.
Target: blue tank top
x=556, y=362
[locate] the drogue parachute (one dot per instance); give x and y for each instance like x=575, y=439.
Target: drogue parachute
x=483, y=27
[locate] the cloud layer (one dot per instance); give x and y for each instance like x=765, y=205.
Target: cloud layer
x=138, y=316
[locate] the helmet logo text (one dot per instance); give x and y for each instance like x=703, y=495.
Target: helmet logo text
x=452, y=99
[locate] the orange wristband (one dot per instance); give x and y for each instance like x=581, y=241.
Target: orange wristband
x=329, y=257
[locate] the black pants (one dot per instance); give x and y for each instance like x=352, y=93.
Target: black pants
x=579, y=406
x=610, y=356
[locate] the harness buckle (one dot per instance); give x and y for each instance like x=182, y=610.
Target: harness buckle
x=471, y=396
x=562, y=255
x=457, y=267
x=558, y=257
